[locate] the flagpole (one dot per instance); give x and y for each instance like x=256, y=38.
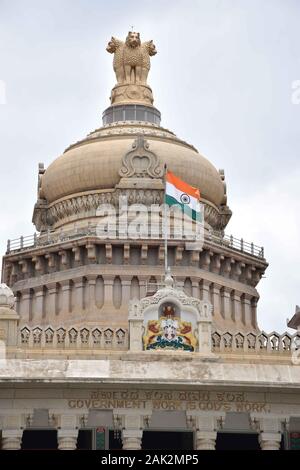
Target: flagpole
x=165, y=222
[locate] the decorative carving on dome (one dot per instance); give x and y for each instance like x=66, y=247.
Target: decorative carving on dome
x=141, y=162
x=77, y=207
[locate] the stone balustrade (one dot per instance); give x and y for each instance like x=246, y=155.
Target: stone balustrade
x=73, y=337
x=118, y=339
x=253, y=342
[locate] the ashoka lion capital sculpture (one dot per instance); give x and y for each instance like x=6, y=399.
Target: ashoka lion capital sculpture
x=131, y=65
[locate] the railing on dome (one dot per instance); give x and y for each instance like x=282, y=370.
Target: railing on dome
x=239, y=244
x=52, y=237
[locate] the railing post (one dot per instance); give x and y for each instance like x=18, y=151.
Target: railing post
x=231, y=241
x=252, y=249
x=8, y=246
x=262, y=252
x=242, y=244
x=34, y=239
x=21, y=241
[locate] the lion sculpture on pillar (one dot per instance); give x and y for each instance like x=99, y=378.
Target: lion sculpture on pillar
x=131, y=59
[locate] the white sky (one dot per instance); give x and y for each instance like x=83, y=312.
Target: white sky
x=222, y=80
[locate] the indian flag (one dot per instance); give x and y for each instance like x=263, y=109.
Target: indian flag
x=182, y=194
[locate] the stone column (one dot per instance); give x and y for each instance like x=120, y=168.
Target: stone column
x=67, y=439
x=92, y=293
x=135, y=318
x=12, y=439
x=195, y=288
x=39, y=303
x=25, y=305
x=216, y=300
x=126, y=285
x=204, y=290
x=108, y=291
x=246, y=308
x=66, y=296
x=67, y=423
x=12, y=423
x=269, y=440
x=78, y=301
x=132, y=423
x=52, y=305
x=206, y=440
x=226, y=303
x=237, y=307
x=269, y=429
x=204, y=328
x=132, y=439
x=206, y=426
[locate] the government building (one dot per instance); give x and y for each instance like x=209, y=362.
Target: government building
x=116, y=333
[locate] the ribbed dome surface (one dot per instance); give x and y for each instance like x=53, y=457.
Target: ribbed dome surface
x=94, y=163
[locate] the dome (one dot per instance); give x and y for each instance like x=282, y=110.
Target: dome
x=94, y=163
x=7, y=298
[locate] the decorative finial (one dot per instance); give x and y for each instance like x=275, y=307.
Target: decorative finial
x=131, y=65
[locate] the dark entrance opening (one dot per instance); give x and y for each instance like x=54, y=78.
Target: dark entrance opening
x=115, y=440
x=235, y=441
x=39, y=440
x=85, y=439
x=162, y=440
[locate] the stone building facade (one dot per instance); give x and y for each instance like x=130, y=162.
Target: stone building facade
x=79, y=311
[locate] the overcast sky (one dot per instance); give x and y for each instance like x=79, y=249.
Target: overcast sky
x=222, y=79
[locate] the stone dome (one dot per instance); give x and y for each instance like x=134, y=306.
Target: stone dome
x=7, y=298
x=94, y=163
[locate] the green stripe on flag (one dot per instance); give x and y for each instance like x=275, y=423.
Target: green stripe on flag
x=171, y=201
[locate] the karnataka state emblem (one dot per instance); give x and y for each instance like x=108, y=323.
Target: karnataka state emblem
x=169, y=332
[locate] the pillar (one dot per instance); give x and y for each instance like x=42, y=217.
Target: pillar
x=52, y=304
x=135, y=318
x=132, y=424
x=216, y=300
x=78, y=290
x=206, y=426
x=67, y=439
x=67, y=424
x=226, y=303
x=25, y=305
x=204, y=328
x=269, y=440
x=108, y=291
x=12, y=423
x=237, y=307
x=126, y=285
x=39, y=303
x=92, y=292
x=132, y=439
x=246, y=308
x=206, y=440
x=66, y=296
x=12, y=439
x=269, y=429
x=204, y=290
